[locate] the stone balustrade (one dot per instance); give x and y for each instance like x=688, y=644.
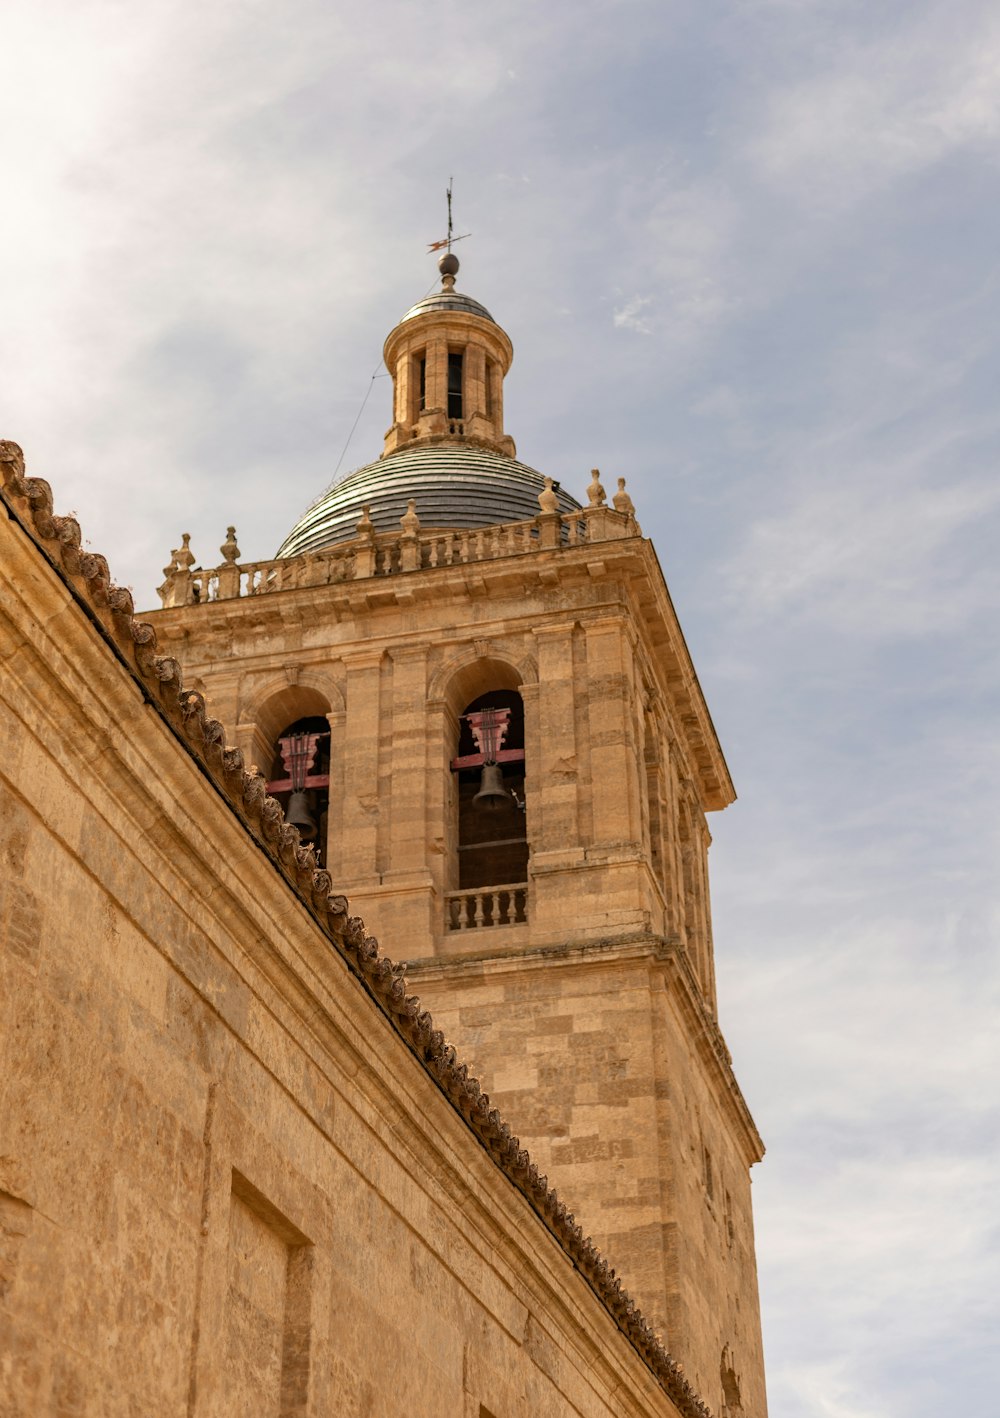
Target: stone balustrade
x=386, y=554
x=487, y=906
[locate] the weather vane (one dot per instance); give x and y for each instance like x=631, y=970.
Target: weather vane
x=446, y=242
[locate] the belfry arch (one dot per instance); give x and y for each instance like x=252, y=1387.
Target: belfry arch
x=492, y=838
x=281, y=707
x=294, y=737
x=485, y=834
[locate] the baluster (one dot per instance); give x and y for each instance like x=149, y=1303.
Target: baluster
x=479, y=909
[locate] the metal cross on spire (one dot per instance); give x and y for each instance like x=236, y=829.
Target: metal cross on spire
x=446, y=242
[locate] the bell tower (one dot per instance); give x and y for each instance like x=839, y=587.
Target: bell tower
x=512, y=766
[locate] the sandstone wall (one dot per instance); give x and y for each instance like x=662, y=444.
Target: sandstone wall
x=619, y=1095
x=227, y=1187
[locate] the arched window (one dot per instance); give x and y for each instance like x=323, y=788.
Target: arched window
x=492, y=836
x=455, y=384
x=300, y=777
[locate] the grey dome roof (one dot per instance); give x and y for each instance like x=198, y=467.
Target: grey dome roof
x=455, y=486
x=447, y=300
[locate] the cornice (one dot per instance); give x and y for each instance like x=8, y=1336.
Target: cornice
x=623, y=577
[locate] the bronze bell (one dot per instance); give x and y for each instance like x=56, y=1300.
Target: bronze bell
x=298, y=815
x=491, y=791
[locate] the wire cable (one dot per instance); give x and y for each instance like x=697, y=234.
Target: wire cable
x=357, y=419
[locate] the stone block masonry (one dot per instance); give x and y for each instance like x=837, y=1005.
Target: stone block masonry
x=239, y=1171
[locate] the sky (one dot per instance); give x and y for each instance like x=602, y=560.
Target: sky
x=747, y=255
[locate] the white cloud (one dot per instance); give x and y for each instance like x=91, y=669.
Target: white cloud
x=629, y=316
x=882, y=106
x=858, y=550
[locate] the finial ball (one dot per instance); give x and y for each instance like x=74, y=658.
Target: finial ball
x=448, y=264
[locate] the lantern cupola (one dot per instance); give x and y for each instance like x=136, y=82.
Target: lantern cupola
x=448, y=358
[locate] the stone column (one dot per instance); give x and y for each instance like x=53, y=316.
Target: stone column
x=404, y=401
x=436, y=386
x=474, y=391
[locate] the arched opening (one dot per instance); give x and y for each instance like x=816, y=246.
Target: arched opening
x=276, y=712
x=300, y=777
x=492, y=835
x=455, y=384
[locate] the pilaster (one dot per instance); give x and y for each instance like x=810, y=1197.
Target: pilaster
x=408, y=827
x=361, y=805
x=613, y=759
x=334, y=845
x=556, y=823
x=257, y=750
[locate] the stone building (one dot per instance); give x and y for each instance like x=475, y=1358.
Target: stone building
x=470, y=693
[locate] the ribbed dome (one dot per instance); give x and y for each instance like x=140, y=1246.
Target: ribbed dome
x=456, y=486
x=447, y=300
